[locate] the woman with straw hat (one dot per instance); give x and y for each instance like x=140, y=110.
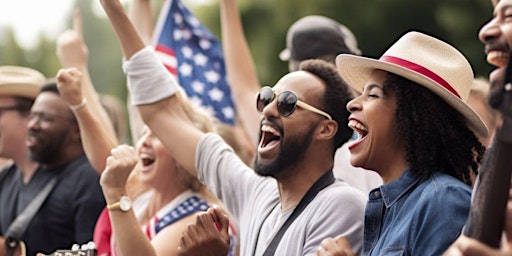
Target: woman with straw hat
x=416, y=131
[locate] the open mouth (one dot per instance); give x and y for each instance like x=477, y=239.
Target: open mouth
x=270, y=138
x=498, y=58
x=31, y=140
x=147, y=161
x=359, y=128
x=361, y=131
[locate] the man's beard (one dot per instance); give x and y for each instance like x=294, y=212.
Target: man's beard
x=291, y=152
x=48, y=153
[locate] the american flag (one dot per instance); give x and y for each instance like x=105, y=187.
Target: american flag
x=194, y=55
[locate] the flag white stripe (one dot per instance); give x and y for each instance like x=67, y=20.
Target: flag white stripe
x=168, y=59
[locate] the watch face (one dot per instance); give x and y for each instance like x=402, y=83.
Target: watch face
x=125, y=204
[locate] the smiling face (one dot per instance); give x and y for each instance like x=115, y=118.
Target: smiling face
x=284, y=140
x=51, y=129
x=497, y=37
x=497, y=34
x=372, y=117
x=157, y=164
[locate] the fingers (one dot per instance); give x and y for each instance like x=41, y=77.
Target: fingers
x=188, y=240
x=453, y=251
x=185, y=242
x=69, y=83
x=328, y=244
x=124, y=156
x=205, y=221
x=322, y=251
x=328, y=247
x=203, y=238
x=182, y=248
x=343, y=243
x=220, y=217
x=68, y=74
x=77, y=22
x=338, y=246
x=71, y=49
x=119, y=165
x=471, y=247
x=69, y=79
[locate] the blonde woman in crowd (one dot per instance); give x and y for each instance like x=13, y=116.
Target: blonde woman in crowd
x=159, y=187
x=171, y=198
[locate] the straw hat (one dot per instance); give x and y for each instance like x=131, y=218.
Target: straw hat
x=20, y=81
x=425, y=60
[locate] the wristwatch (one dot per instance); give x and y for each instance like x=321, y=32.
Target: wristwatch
x=124, y=204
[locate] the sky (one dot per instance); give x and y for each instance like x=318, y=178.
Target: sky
x=29, y=18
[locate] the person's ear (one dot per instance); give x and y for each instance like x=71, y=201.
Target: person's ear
x=327, y=129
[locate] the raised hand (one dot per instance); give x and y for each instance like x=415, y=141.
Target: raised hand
x=75, y=86
x=119, y=166
x=69, y=83
x=338, y=246
x=125, y=31
x=71, y=49
x=208, y=236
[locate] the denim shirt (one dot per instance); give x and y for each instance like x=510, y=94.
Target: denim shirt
x=415, y=216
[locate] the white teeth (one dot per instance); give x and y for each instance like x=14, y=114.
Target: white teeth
x=356, y=125
x=267, y=128
x=146, y=156
x=498, y=58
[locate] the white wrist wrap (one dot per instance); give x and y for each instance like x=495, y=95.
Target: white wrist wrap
x=148, y=79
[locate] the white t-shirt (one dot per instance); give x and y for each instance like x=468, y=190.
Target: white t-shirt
x=254, y=201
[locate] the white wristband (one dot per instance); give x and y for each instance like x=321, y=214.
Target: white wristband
x=78, y=106
x=148, y=79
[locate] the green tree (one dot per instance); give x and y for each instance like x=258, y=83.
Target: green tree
x=376, y=24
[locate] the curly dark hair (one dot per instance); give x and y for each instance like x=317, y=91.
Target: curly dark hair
x=435, y=135
x=337, y=95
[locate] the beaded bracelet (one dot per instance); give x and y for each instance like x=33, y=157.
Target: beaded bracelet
x=78, y=106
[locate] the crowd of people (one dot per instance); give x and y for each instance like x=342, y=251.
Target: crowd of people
x=344, y=155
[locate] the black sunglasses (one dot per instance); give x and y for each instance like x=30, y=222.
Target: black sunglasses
x=10, y=108
x=287, y=102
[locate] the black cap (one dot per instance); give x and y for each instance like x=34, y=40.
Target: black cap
x=314, y=36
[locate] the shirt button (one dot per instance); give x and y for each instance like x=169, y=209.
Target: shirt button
x=376, y=194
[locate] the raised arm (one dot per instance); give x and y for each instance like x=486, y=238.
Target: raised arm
x=130, y=240
x=141, y=15
x=154, y=91
x=240, y=68
x=96, y=138
x=76, y=88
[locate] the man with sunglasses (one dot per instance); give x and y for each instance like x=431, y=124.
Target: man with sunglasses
x=299, y=134
x=18, y=88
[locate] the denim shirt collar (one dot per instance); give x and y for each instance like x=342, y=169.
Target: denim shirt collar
x=392, y=191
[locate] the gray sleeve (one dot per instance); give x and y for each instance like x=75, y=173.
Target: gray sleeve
x=339, y=212
x=233, y=182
